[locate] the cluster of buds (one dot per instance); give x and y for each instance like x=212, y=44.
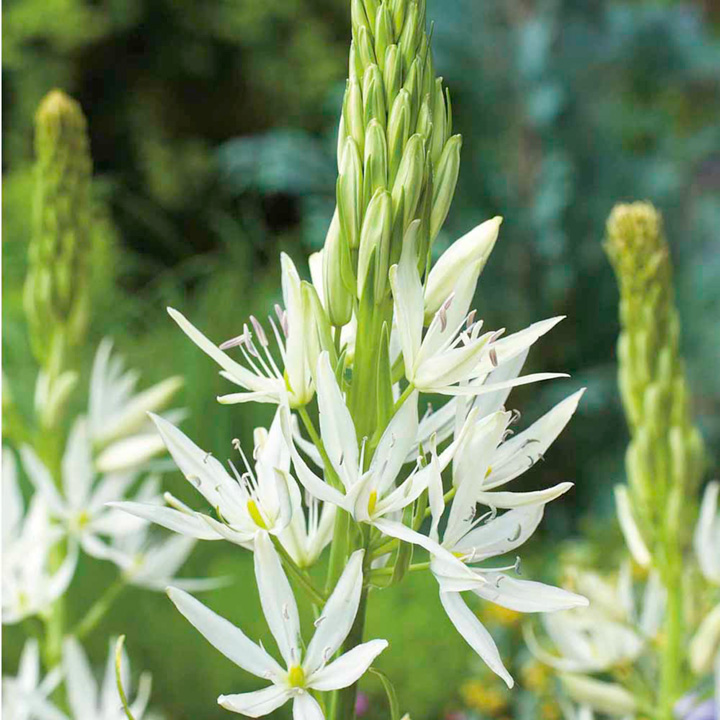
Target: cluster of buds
x=665, y=458
x=56, y=288
x=397, y=160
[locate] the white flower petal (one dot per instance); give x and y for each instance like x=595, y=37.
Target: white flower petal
x=258, y=703
x=474, y=633
x=225, y=637
x=179, y=522
x=504, y=500
x=82, y=690
x=337, y=615
x=277, y=599
x=306, y=707
x=630, y=530
x=527, y=595
x=41, y=480
x=348, y=668
x=129, y=452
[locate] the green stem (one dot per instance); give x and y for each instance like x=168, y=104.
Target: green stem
x=671, y=661
x=99, y=609
x=301, y=577
x=384, y=572
x=405, y=395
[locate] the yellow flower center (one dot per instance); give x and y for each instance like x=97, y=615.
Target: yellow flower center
x=489, y=471
x=255, y=514
x=296, y=676
x=82, y=519
x=372, y=502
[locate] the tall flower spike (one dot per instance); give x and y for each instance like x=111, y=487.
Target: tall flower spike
x=306, y=669
x=56, y=288
x=665, y=459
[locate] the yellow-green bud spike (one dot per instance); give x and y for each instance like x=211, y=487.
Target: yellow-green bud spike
x=350, y=193
x=392, y=74
x=353, y=113
x=398, y=131
x=374, y=96
x=336, y=268
x=56, y=288
x=663, y=467
x=384, y=34
x=376, y=160
x=365, y=48
x=398, y=8
x=410, y=35
x=409, y=180
x=375, y=238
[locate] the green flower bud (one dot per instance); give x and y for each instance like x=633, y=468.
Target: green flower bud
x=424, y=123
x=354, y=64
x=384, y=34
x=353, y=114
x=358, y=17
x=398, y=131
x=365, y=48
x=374, y=95
x=375, y=243
x=440, y=123
x=410, y=35
x=398, y=8
x=337, y=274
x=392, y=74
x=350, y=193
x=409, y=179
x=376, y=160
x=56, y=288
x=371, y=10
x=412, y=85
x=445, y=181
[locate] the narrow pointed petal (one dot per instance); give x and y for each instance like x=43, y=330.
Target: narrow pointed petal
x=258, y=703
x=77, y=469
x=41, y=480
x=179, y=522
x=402, y=532
x=306, y=707
x=504, y=500
x=480, y=389
x=225, y=637
x=492, y=402
x=348, y=668
x=277, y=599
x=527, y=595
x=82, y=690
x=408, y=298
x=336, y=425
x=474, y=633
x=337, y=616
x=630, y=530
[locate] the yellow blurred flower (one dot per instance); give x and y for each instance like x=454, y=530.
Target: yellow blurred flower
x=536, y=676
x=478, y=696
x=500, y=616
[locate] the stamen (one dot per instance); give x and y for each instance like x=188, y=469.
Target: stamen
x=231, y=343
x=493, y=357
x=257, y=327
x=516, y=534
x=282, y=319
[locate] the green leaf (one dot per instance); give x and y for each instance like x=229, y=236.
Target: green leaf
x=390, y=692
x=118, y=676
x=385, y=401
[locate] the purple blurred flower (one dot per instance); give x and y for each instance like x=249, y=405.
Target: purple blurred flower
x=362, y=704
x=690, y=708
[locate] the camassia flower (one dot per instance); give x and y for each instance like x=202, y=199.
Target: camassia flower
x=307, y=667
x=89, y=700
x=262, y=378
x=453, y=357
x=80, y=505
x=372, y=495
x=117, y=420
x=29, y=587
x=25, y=696
x=263, y=497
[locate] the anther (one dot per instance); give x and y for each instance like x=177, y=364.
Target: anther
x=233, y=342
x=493, y=357
x=257, y=327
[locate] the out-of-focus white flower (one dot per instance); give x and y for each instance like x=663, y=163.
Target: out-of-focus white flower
x=611, y=632
x=117, y=420
x=28, y=586
x=264, y=380
x=151, y=563
x=705, y=645
x=707, y=534
x=90, y=700
x=604, y=697
x=25, y=696
x=471, y=250
x=51, y=394
x=372, y=495
x=306, y=667
x=452, y=357
x=80, y=504
x=263, y=497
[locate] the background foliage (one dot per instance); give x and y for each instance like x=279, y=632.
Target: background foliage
x=213, y=134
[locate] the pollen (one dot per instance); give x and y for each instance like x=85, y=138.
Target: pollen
x=372, y=502
x=489, y=471
x=255, y=514
x=296, y=676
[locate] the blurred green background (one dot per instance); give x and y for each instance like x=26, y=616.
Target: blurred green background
x=213, y=134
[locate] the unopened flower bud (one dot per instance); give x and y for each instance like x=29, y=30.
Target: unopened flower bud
x=446, y=176
x=605, y=697
x=398, y=131
x=392, y=74
x=374, y=96
x=371, y=10
x=353, y=113
x=441, y=121
x=358, y=16
x=398, y=9
x=706, y=643
x=375, y=242
x=350, y=193
x=471, y=247
x=335, y=265
x=409, y=180
x=376, y=160
x=365, y=48
x=384, y=35
x=410, y=35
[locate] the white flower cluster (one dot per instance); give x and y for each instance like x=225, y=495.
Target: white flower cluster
x=297, y=493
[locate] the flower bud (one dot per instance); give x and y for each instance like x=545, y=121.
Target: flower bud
x=375, y=242
x=424, y=124
x=384, y=35
x=392, y=74
x=365, y=48
x=471, y=247
x=374, y=96
x=440, y=122
x=353, y=113
x=445, y=181
x=409, y=180
x=358, y=17
x=398, y=9
x=349, y=193
x=376, y=161
x=410, y=35
x=398, y=131
x=354, y=64
x=705, y=644
x=335, y=267
x=412, y=85
x=371, y=10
